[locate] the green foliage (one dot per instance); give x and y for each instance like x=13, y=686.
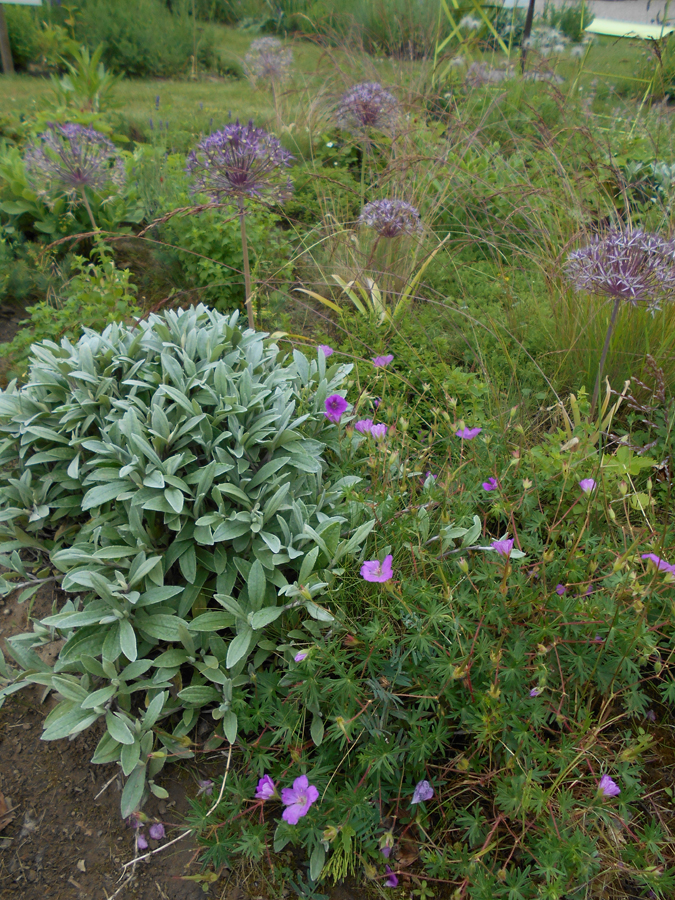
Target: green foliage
x=24, y=35
x=86, y=83
x=570, y=20
x=174, y=474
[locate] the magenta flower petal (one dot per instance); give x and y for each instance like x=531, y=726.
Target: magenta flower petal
x=335, y=407
x=380, y=361
x=157, y=832
x=141, y=841
x=327, y=351
x=423, y=791
x=504, y=547
x=266, y=789
x=490, y=485
x=378, y=431
x=303, y=654
x=391, y=880
x=468, y=434
x=560, y=589
x=587, y=485
x=535, y=692
x=608, y=788
x=661, y=564
x=363, y=426
x=374, y=570
x=298, y=800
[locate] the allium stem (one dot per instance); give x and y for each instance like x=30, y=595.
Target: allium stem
x=605, y=349
x=247, y=269
x=88, y=208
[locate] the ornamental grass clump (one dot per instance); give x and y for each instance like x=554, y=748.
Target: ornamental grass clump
x=74, y=159
x=237, y=163
x=629, y=266
x=174, y=474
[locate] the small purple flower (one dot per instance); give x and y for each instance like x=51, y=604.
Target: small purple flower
x=535, y=692
x=240, y=161
x=141, y=841
x=381, y=361
x=661, y=564
x=327, y=351
x=390, y=218
x=468, y=434
x=560, y=590
x=597, y=639
x=608, y=788
x=379, y=431
x=205, y=787
x=650, y=715
x=266, y=789
x=490, y=485
x=366, y=105
x=504, y=547
x=377, y=400
x=423, y=791
x=391, y=880
x=157, y=832
x=374, y=570
x=429, y=474
x=298, y=800
x=363, y=426
x=587, y=485
x=335, y=407
x=386, y=852
x=303, y=654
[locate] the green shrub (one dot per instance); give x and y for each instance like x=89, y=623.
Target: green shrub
x=24, y=35
x=175, y=473
x=570, y=20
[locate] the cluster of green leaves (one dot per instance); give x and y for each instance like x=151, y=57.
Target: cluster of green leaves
x=173, y=473
x=512, y=685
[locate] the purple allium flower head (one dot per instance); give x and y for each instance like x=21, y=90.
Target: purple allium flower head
x=366, y=105
x=560, y=589
x=327, y=351
x=335, y=406
x=390, y=218
x=303, y=654
x=266, y=789
x=205, y=787
x=240, y=161
x=661, y=564
x=392, y=879
x=490, y=485
x=268, y=60
x=379, y=431
x=363, y=426
x=298, y=800
x=423, y=791
x=587, y=485
x=608, y=788
x=374, y=570
x=381, y=361
x=75, y=158
x=141, y=841
x=535, y=692
x=157, y=832
x=631, y=265
x=504, y=547
x=467, y=434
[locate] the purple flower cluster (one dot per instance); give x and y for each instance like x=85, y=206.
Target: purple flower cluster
x=268, y=60
x=366, y=105
x=391, y=218
x=240, y=161
x=631, y=265
x=366, y=426
x=297, y=799
x=76, y=158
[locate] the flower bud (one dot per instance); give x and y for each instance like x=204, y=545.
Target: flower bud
x=612, y=514
x=623, y=488
x=330, y=833
x=463, y=565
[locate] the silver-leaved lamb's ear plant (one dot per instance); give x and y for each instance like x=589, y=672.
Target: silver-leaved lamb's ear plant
x=175, y=474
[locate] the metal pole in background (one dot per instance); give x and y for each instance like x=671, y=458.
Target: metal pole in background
x=5, y=49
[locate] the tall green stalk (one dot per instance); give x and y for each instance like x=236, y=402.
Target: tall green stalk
x=247, y=268
x=605, y=350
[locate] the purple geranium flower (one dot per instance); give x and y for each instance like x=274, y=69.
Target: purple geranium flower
x=503, y=547
x=374, y=570
x=266, y=789
x=468, y=434
x=535, y=692
x=240, y=161
x=363, y=426
x=608, y=788
x=390, y=218
x=378, y=431
x=157, y=832
x=205, y=787
x=380, y=361
x=587, y=485
x=335, y=406
x=661, y=564
x=303, y=654
x=560, y=589
x=298, y=800
x=423, y=791
x=327, y=351
x=490, y=484
x=141, y=841
x=391, y=880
